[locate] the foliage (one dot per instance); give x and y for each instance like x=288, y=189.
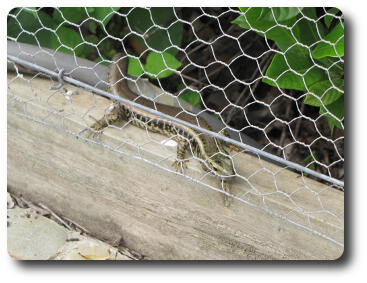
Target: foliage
x=59, y=29
x=310, y=58
x=156, y=65
x=190, y=96
x=311, y=161
x=86, y=32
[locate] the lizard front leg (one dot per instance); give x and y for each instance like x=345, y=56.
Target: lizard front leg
x=180, y=164
x=113, y=116
x=224, y=184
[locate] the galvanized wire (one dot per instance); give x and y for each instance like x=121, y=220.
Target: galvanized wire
x=247, y=90
x=252, y=149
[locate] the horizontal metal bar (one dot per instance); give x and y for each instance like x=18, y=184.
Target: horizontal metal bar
x=252, y=149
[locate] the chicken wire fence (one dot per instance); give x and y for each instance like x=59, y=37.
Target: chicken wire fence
x=272, y=78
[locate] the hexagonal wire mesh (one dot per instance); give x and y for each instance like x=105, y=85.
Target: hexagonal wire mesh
x=271, y=77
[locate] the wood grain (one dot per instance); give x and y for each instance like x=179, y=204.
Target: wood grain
x=109, y=188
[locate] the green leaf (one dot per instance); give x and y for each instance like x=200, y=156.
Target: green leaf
x=274, y=32
x=284, y=69
x=90, y=10
x=310, y=12
x=267, y=15
x=158, y=27
x=283, y=14
x=92, y=26
x=157, y=63
x=88, y=47
x=135, y=68
x=192, y=97
x=106, y=48
x=13, y=27
x=104, y=14
x=310, y=160
x=27, y=21
x=14, y=11
x=70, y=14
x=337, y=109
x=266, y=22
x=294, y=68
x=323, y=93
x=329, y=17
x=46, y=20
x=138, y=19
x=46, y=38
x=283, y=76
x=57, y=16
x=92, y=38
x=32, y=10
x=69, y=39
x=241, y=22
x=308, y=32
x=282, y=37
x=32, y=22
x=335, y=45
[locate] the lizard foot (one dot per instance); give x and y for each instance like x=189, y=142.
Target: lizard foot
x=95, y=130
x=226, y=188
x=180, y=165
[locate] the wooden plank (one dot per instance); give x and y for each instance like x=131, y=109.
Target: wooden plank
x=111, y=191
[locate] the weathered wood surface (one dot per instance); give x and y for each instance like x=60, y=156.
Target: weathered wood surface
x=158, y=213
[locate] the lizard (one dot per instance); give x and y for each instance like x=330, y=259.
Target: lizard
x=210, y=151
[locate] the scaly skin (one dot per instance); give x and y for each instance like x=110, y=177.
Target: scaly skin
x=215, y=158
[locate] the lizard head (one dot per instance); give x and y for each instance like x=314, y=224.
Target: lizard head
x=221, y=165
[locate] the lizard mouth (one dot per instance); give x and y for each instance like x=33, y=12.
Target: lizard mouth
x=219, y=173
x=223, y=175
